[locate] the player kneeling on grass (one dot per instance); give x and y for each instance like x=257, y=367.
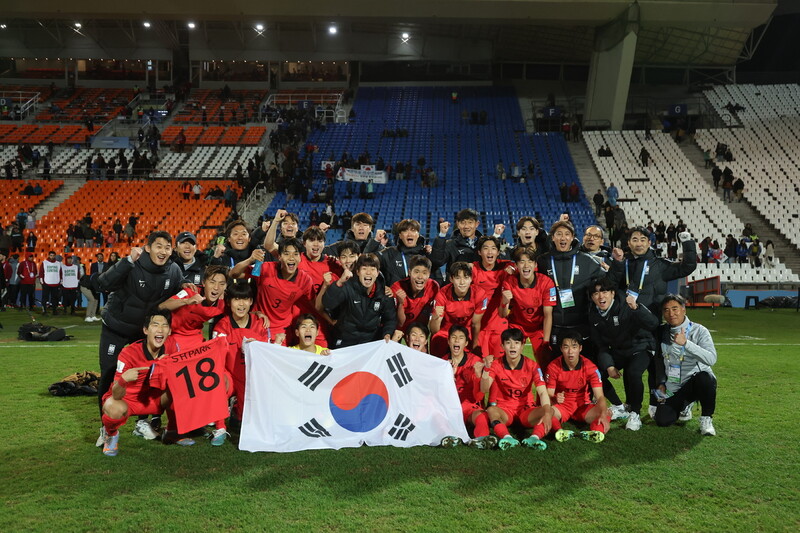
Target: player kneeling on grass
x=684, y=357
x=570, y=379
x=130, y=393
x=307, y=329
x=510, y=381
x=467, y=369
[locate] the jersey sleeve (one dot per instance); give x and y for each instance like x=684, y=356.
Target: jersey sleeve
x=548, y=288
x=481, y=301
x=553, y=371
x=592, y=374
x=538, y=375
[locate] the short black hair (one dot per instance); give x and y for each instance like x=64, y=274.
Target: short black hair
x=570, y=335
x=456, y=328
x=306, y=316
x=421, y=326
x=159, y=235
x=419, y=260
x=467, y=214
x=460, y=267
x=673, y=298
x=605, y=284
x=166, y=313
x=239, y=290
x=346, y=245
x=286, y=243
x=512, y=334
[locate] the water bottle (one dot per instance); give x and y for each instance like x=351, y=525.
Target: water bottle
x=257, y=265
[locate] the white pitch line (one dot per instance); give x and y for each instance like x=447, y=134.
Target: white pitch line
x=36, y=345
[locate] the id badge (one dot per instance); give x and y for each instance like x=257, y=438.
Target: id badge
x=635, y=294
x=674, y=374
x=567, y=298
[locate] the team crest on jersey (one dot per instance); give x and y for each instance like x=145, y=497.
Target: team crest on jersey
x=142, y=283
x=576, y=270
x=485, y=303
x=616, y=320
x=197, y=279
x=376, y=306
x=166, y=285
x=111, y=349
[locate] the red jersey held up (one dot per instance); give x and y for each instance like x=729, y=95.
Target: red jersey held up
x=575, y=384
x=468, y=384
x=513, y=387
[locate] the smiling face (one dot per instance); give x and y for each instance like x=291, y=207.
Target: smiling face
x=314, y=248
x=417, y=340
x=214, y=287
x=239, y=238
x=457, y=342
x=419, y=276
x=461, y=283
x=159, y=251
x=289, y=227
x=156, y=333
x=409, y=237
x=674, y=313
x=186, y=251
x=562, y=239
x=527, y=234
x=571, y=351
x=488, y=254
x=367, y=275
x=467, y=227
x=240, y=307
x=526, y=268
x=348, y=258
x=307, y=333
x=638, y=243
x=361, y=230
x=603, y=299
x=289, y=258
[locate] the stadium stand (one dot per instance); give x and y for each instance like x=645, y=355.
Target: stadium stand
x=311, y=94
x=101, y=105
x=34, y=133
x=245, y=103
x=13, y=200
x=463, y=155
x=763, y=150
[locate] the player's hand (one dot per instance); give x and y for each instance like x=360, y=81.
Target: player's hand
x=559, y=397
x=194, y=299
x=325, y=351
x=324, y=226
x=280, y=215
x=454, y=366
x=680, y=337
x=564, y=217
x=279, y=338
x=387, y=338
x=388, y=292
x=264, y=319
x=510, y=269
x=257, y=255
x=219, y=250
x=190, y=287
x=327, y=278
x=631, y=301
x=428, y=249
x=398, y=335
x=507, y=297
x=684, y=236
x=613, y=372
x=136, y=253
x=344, y=277
x=444, y=226
x=132, y=374
x=438, y=311
x=479, y=366
x=265, y=225
x=547, y=419
x=499, y=229
x=487, y=361
x=400, y=295
x=380, y=236
x=617, y=254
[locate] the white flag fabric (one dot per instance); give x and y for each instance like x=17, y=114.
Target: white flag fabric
x=378, y=393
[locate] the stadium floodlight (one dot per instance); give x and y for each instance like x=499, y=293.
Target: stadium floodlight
x=78, y=25
x=146, y=24
x=259, y=27
x=190, y=25
x=405, y=36
x=3, y=26
x=332, y=30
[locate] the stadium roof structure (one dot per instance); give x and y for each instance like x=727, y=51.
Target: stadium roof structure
x=670, y=32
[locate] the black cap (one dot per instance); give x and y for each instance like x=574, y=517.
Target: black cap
x=185, y=236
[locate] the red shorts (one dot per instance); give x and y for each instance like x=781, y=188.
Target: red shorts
x=468, y=408
x=517, y=413
x=141, y=405
x=572, y=411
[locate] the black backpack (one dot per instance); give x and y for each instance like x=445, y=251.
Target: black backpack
x=36, y=331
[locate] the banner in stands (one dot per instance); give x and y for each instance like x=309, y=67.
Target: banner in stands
x=378, y=393
x=325, y=164
x=377, y=176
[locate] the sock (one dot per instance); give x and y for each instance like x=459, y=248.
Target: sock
x=597, y=426
x=538, y=430
x=112, y=425
x=499, y=429
x=482, y=425
x=172, y=424
x=220, y=424
x=556, y=424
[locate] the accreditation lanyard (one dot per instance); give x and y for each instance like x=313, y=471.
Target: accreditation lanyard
x=683, y=348
x=572, y=275
x=636, y=293
x=566, y=296
x=405, y=264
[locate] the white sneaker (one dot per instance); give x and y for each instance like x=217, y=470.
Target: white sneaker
x=651, y=410
x=707, y=427
x=618, y=411
x=634, y=422
x=145, y=430
x=88, y=319
x=686, y=414
x=101, y=440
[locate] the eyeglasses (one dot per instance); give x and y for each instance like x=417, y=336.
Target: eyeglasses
x=592, y=236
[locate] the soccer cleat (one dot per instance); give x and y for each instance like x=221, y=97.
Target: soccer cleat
x=618, y=411
x=564, y=435
x=508, y=442
x=101, y=440
x=707, y=427
x=634, y=422
x=651, y=410
x=171, y=437
x=88, y=319
x=593, y=436
x=144, y=430
x=111, y=445
x=686, y=414
x=450, y=442
x=218, y=437
x=534, y=442
x=484, y=443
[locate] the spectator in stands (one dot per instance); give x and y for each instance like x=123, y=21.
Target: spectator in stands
x=564, y=192
x=461, y=247
x=500, y=170
x=754, y=252
x=769, y=254
x=17, y=238
x=612, y=194
x=727, y=188
x=730, y=249
x=598, y=201
x=186, y=189
x=197, y=189
x=516, y=173
x=741, y=251
x=707, y=158
x=738, y=189
x=704, y=245
x=30, y=242
x=574, y=192
x=644, y=155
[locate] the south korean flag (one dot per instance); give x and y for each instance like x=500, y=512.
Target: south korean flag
x=379, y=394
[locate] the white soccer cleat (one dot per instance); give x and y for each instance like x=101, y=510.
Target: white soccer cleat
x=707, y=426
x=634, y=422
x=101, y=440
x=618, y=411
x=686, y=414
x=145, y=430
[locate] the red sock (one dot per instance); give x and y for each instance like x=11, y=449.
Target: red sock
x=112, y=425
x=556, y=424
x=220, y=424
x=538, y=430
x=482, y=425
x=597, y=425
x=500, y=430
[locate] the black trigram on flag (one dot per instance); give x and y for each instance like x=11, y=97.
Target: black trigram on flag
x=402, y=427
x=399, y=371
x=313, y=429
x=315, y=375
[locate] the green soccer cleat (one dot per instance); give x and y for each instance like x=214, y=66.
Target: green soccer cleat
x=593, y=436
x=488, y=442
x=563, y=435
x=508, y=442
x=534, y=442
x=111, y=445
x=450, y=442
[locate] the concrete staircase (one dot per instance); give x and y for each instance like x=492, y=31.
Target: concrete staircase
x=71, y=185
x=784, y=250
x=587, y=173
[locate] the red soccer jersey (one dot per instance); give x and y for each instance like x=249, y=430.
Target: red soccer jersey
x=417, y=308
x=460, y=311
x=575, y=384
x=490, y=282
x=196, y=381
x=187, y=321
x=234, y=334
x=527, y=306
x=315, y=269
x=276, y=297
x=135, y=355
x=468, y=384
x=513, y=387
